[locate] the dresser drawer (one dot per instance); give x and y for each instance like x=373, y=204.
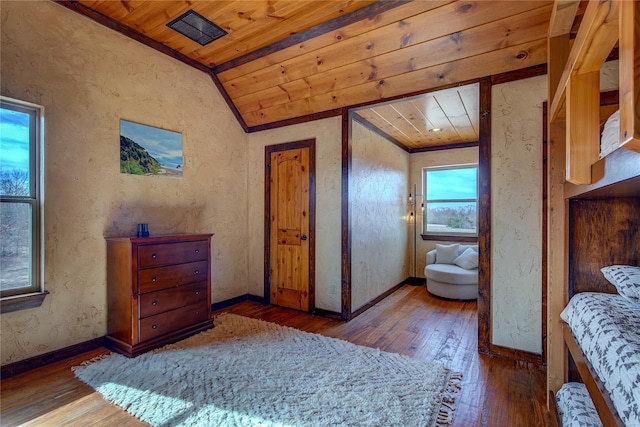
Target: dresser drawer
x=154, y=279
x=161, y=324
x=172, y=253
x=169, y=299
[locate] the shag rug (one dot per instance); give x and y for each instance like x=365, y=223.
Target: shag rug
x=248, y=372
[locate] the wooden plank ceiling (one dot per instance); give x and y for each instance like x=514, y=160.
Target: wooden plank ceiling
x=284, y=61
x=436, y=119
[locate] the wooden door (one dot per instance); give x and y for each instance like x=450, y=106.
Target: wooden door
x=290, y=226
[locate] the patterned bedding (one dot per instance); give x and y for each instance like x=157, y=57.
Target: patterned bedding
x=607, y=328
x=575, y=406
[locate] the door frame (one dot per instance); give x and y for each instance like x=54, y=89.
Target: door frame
x=484, y=214
x=311, y=145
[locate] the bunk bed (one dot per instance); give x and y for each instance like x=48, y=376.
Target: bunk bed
x=602, y=174
x=601, y=332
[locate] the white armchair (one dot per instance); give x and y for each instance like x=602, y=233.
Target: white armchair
x=452, y=271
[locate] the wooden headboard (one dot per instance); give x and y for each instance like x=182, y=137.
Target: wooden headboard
x=601, y=232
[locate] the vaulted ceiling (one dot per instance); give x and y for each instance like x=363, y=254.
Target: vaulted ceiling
x=285, y=61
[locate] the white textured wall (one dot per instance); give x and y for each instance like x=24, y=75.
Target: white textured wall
x=89, y=77
x=516, y=206
x=328, y=135
x=430, y=159
x=378, y=192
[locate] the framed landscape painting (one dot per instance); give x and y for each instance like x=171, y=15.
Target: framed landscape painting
x=146, y=150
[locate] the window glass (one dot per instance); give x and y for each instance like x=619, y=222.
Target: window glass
x=15, y=146
x=451, y=201
x=20, y=201
x=15, y=260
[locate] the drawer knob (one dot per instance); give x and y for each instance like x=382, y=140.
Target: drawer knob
x=154, y=256
x=196, y=272
x=154, y=303
x=154, y=278
x=197, y=292
x=197, y=251
x=154, y=327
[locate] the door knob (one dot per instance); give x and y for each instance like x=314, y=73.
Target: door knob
x=304, y=237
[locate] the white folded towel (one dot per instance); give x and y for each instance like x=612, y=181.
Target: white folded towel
x=610, y=135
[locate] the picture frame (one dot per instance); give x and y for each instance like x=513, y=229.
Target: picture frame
x=150, y=151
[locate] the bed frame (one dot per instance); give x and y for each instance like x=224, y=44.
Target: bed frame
x=597, y=192
x=600, y=397
x=586, y=238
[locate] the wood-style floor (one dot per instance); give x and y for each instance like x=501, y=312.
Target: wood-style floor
x=495, y=392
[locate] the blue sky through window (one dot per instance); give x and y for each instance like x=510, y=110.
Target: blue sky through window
x=452, y=184
x=14, y=141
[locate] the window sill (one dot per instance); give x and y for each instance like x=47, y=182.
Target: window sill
x=450, y=238
x=22, y=302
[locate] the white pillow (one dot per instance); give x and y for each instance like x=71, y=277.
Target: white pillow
x=626, y=279
x=446, y=254
x=468, y=260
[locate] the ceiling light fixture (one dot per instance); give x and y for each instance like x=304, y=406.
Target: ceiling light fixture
x=196, y=27
x=435, y=130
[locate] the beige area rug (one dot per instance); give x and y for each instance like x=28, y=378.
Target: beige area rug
x=247, y=372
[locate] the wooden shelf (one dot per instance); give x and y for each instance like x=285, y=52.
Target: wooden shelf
x=617, y=175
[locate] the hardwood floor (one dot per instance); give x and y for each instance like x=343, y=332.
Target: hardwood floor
x=495, y=392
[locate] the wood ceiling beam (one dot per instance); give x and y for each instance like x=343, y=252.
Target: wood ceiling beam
x=440, y=147
x=364, y=13
x=324, y=39
x=272, y=28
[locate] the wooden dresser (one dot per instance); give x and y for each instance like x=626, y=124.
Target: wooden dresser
x=158, y=290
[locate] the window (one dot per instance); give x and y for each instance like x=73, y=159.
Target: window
x=450, y=201
x=20, y=197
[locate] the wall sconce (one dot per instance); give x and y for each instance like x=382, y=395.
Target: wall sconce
x=411, y=205
x=413, y=202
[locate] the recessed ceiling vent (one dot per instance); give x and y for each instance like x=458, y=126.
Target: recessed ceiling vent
x=196, y=27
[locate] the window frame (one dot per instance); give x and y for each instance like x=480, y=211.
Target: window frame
x=449, y=236
x=32, y=295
